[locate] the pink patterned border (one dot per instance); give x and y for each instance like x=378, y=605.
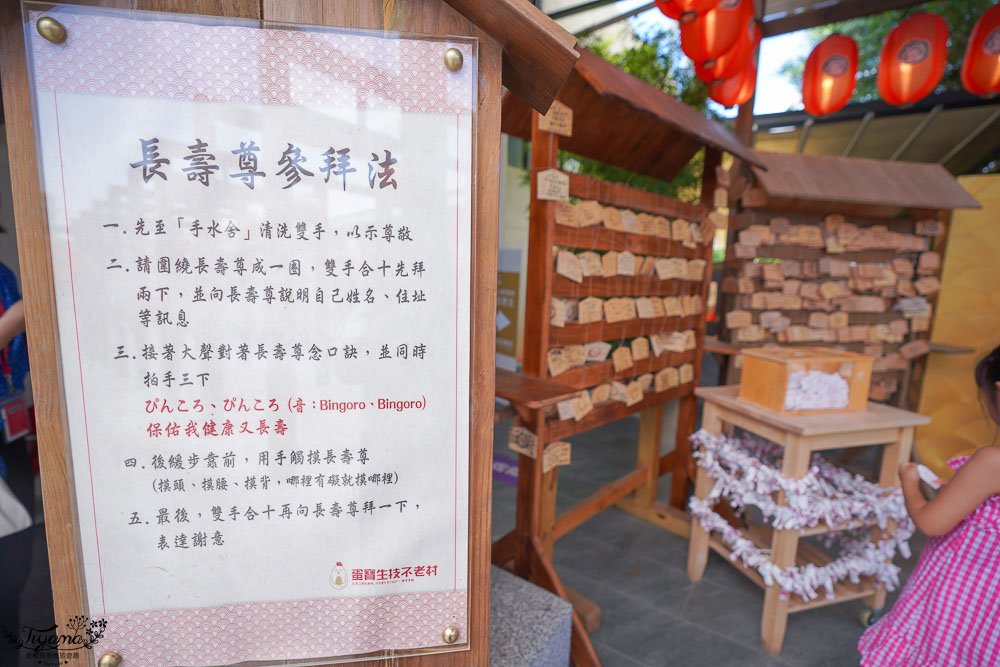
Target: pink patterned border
x=283, y=630
x=215, y=63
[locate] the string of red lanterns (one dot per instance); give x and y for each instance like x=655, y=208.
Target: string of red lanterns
x=721, y=38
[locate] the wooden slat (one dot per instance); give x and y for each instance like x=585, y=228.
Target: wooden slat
x=620, y=286
x=532, y=393
x=877, y=417
x=829, y=13
x=601, y=238
x=538, y=53
x=624, y=196
x=606, y=496
x=577, y=334
x=613, y=411
x=594, y=374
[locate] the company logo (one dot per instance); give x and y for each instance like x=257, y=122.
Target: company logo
x=835, y=65
x=338, y=577
x=914, y=51
x=78, y=634
x=991, y=45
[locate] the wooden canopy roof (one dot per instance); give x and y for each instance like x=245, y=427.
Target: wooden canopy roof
x=621, y=120
x=538, y=53
x=798, y=180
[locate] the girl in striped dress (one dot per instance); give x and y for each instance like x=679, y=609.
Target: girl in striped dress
x=949, y=612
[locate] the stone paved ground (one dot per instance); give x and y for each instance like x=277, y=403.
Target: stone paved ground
x=651, y=614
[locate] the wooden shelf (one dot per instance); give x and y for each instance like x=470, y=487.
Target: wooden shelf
x=623, y=196
x=622, y=286
x=578, y=334
x=610, y=411
x=602, y=239
x=594, y=374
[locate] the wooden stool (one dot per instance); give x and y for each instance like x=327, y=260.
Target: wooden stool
x=800, y=437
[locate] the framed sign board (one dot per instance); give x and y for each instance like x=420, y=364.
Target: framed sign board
x=251, y=249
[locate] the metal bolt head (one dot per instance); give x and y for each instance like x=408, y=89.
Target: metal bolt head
x=50, y=29
x=450, y=634
x=453, y=59
x=109, y=659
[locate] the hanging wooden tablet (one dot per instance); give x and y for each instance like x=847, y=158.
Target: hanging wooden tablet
x=927, y=285
x=633, y=393
x=626, y=263
x=930, y=263
x=556, y=454
x=576, y=355
x=618, y=391
x=565, y=409
x=645, y=381
x=662, y=227
x=590, y=262
x=557, y=312
x=619, y=309
x=630, y=222
x=645, y=224
x=568, y=265
x=672, y=306
x=597, y=351
x=621, y=359
x=609, y=264
x=522, y=441
x=558, y=362
x=589, y=213
x=644, y=307
x=590, y=310
x=564, y=214
x=687, y=373
x=613, y=218
x=640, y=348
x=582, y=405
x=601, y=393
x=736, y=319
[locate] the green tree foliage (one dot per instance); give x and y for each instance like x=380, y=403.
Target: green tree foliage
x=870, y=31
x=655, y=58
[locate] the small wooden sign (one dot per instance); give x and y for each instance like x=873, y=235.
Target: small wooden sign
x=588, y=213
x=553, y=185
x=559, y=120
x=590, y=262
x=558, y=362
x=590, y=310
x=568, y=265
x=556, y=454
x=621, y=359
x=565, y=214
x=640, y=348
x=633, y=393
x=687, y=373
x=522, y=441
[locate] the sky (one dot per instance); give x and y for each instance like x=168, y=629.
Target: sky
x=774, y=92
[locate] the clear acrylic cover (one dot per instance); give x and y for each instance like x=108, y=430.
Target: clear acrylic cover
x=260, y=242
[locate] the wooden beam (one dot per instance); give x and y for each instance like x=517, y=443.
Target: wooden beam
x=841, y=11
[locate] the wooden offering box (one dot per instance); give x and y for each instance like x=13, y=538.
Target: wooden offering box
x=767, y=372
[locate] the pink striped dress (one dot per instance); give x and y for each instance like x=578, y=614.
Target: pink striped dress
x=949, y=612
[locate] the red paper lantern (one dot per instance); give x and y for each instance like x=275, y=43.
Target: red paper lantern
x=714, y=32
x=981, y=67
x=738, y=89
x=828, y=80
x=685, y=10
x=913, y=58
x=732, y=62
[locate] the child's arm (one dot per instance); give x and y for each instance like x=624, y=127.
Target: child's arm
x=11, y=323
x=974, y=482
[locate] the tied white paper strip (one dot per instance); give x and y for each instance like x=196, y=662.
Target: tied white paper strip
x=746, y=471
x=816, y=390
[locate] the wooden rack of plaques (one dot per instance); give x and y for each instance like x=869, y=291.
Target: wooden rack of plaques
x=840, y=251
x=615, y=309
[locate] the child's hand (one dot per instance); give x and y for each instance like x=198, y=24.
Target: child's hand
x=908, y=473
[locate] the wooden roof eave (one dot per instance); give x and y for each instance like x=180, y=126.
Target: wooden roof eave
x=538, y=53
x=623, y=121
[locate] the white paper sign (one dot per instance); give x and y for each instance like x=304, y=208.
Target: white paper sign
x=263, y=305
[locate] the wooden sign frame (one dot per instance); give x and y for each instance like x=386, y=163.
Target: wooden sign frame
x=414, y=16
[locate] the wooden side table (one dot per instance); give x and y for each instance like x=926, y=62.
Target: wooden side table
x=800, y=437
